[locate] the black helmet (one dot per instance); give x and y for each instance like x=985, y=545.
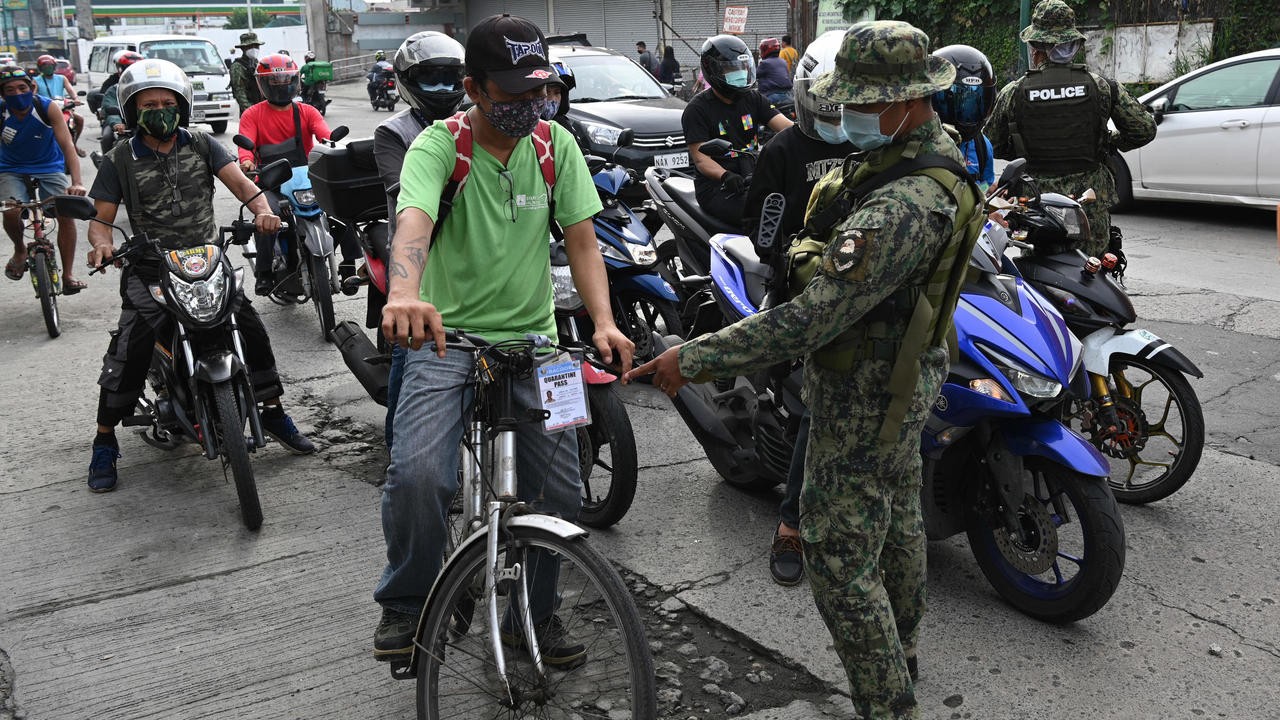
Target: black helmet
x=967, y=102
x=727, y=65
x=429, y=68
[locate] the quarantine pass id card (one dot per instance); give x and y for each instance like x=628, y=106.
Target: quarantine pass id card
x=563, y=393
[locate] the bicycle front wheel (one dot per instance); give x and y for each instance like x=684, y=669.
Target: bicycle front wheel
x=42, y=276
x=595, y=620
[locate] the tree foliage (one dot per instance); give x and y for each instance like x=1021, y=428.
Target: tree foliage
x=239, y=19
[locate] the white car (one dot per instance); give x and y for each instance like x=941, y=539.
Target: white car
x=1217, y=140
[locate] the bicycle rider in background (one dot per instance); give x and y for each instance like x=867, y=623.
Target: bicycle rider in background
x=36, y=144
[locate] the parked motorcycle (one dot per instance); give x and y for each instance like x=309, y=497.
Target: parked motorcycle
x=999, y=465
x=201, y=389
x=305, y=266
x=1142, y=412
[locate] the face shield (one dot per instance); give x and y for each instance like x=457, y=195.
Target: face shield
x=739, y=72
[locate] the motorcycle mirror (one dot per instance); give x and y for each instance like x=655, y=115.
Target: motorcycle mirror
x=1011, y=171
x=338, y=133
x=716, y=148
x=76, y=207
x=243, y=142
x=626, y=137
x=1088, y=196
x=275, y=174
x=82, y=93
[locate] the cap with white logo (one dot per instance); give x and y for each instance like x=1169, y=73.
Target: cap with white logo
x=512, y=52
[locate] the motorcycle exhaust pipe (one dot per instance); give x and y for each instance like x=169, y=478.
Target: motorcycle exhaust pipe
x=364, y=361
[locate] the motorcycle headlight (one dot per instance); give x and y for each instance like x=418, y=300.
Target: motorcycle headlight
x=306, y=196
x=610, y=251
x=1073, y=220
x=562, y=287
x=203, y=299
x=602, y=134
x=644, y=254
x=1024, y=379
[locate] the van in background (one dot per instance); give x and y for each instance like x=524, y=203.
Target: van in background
x=199, y=59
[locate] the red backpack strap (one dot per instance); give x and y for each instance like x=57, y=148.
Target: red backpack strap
x=544, y=149
x=460, y=128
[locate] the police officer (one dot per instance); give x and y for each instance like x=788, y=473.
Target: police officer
x=869, y=379
x=1056, y=116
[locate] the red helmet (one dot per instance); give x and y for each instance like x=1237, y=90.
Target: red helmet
x=46, y=60
x=769, y=46
x=278, y=78
x=125, y=58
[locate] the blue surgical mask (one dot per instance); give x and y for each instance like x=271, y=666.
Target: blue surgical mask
x=830, y=133
x=863, y=129
x=736, y=78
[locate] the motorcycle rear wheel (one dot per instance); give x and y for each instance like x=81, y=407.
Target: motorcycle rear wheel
x=43, y=277
x=321, y=293
x=235, y=452
x=1161, y=414
x=606, y=460
x=1037, y=578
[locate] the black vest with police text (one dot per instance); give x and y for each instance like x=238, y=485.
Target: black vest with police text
x=1058, y=126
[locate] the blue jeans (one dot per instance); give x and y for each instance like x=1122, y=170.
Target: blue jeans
x=395, y=378
x=423, y=477
x=789, y=510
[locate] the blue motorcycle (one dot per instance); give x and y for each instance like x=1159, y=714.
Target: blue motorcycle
x=999, y=465
x=643, y=302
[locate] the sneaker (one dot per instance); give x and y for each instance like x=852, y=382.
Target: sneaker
x=280, y=426
x=394, y=637
x=263, y=286
x=556, y=649
x=786, y=560
x=102, y=469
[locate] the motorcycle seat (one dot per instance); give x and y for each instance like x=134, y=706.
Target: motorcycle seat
x=754, y=272
x=682, y=191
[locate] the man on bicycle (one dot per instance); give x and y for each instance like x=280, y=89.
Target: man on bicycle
x=164, y=176
x=487, y=272
x=35, y=144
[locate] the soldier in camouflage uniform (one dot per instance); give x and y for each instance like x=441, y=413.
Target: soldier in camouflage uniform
x=244, y=83
x=864, y=543
x=1039, y=117
x=164, y=176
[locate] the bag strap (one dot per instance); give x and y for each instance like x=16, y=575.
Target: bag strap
x=821, y=223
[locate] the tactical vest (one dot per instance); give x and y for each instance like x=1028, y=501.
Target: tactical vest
x=1057, y=124
x=170, y=198
x=928, y=305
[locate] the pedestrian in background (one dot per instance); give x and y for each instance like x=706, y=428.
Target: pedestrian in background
x=789, y=55
x=244, y=84
x=669, y=68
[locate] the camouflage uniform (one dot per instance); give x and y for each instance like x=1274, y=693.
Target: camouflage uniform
x=864, y=544
x=1054, y=23
x=244, y=83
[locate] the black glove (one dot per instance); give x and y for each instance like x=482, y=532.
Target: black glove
x=731, y=182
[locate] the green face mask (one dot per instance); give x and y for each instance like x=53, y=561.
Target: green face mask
x=47, y=70
x=159, y=123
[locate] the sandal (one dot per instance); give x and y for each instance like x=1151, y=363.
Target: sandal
x=15, y=268
x=71, y=286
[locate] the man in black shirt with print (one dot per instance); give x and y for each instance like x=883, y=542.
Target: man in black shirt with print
x=731, y=109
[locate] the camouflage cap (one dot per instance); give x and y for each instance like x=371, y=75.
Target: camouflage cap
x=1053, y=23
x=884, y=61
x=249, y=40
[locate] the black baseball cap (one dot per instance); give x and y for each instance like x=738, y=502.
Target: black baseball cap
x=512, y=52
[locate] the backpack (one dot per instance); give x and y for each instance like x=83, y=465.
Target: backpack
x=460, y=128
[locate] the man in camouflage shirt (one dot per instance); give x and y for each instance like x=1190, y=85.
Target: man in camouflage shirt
x=864, y=543
x=1040, y=116
x=244, y=83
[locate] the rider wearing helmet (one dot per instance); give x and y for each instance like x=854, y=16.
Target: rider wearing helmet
x=965, y=106
x=557, y=106
x=380, y=70
x=429, y=67
x=731, y=109
x=164, y=176
x=792, y=163
x=279, y=128
x=310, y=84
x=773, y=75
x=109, y=112
x=54, y=86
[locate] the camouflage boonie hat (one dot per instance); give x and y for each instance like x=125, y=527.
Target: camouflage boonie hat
x=1052, y=23
x=249, y=40
x=884, y=61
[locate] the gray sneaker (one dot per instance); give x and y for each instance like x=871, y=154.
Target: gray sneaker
x=394, y=637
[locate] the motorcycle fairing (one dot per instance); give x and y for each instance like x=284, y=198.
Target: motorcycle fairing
x=1101, y=344
x=728, y=276
x=217, y=367
x=611, y=180
x=595, y=376
x=1054, y=441
x=300, y=181
x=1103, y=297
x=644, y=284
x=316, y=236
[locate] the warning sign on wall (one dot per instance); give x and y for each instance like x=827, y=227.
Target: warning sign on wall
x=735, y=18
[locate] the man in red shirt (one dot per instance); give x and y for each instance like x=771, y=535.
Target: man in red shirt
x=281, y=128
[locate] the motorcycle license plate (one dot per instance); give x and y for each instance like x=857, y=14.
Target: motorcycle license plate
x=672, y=161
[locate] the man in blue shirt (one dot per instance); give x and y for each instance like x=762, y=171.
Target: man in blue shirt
x=35, y=143
x=53, y=86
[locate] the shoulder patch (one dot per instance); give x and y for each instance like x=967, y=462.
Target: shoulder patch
x=849, y=253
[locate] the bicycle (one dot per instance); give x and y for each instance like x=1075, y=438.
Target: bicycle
x=42, y=256
x=495, y=667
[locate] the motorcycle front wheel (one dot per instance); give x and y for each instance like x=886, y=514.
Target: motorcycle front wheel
x=321, y=293
x=235, y=452
x=641, y=316
x=1157, y=447
x=1064, y=559
x=606, y=460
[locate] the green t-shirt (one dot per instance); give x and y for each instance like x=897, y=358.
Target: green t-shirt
x=485, y=273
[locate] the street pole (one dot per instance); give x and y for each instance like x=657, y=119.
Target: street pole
x=1024, y=19
x=248, y=13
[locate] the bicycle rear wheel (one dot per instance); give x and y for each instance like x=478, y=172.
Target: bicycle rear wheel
x=44, y=289
x=457, y=676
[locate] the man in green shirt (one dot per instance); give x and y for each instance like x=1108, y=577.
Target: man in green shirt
x=487, y=272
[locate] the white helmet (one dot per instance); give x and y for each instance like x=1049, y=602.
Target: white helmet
x=819, y=58
x=153, y=73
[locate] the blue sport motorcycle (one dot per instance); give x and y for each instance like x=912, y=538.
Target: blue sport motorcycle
x=1031, y=494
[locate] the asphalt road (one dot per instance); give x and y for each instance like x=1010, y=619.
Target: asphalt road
x=154, y=602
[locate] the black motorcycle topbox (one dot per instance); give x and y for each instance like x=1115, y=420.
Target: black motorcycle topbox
x=346, y=181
